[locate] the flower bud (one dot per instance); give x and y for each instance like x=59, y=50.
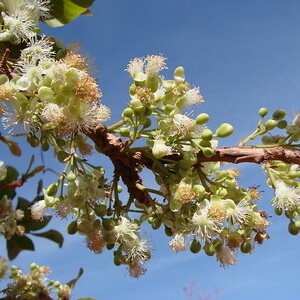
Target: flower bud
x=206, y=134
x=128, y=112
x=224, y=130
x=279, y=114
x=270, y=124
x=72, y=227
x=246, y=247
x=195, y=246
x=124, y=131
x=282, y=124
x=179, y=74
x=202, y=119
x=45, y=94
x=263, y=112
x=52, y=189
x=85, y=226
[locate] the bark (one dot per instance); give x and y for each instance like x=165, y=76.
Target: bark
x=126, y=162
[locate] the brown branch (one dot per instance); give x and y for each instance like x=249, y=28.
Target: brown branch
x=126, y=163
x=12, y=185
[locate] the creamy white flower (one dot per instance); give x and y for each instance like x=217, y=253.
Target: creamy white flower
x=160, y=149
x=183, y=124
x=37, y=9
x=38, y=210
x=126, y=230
x=237, y=214
x=135, y=66
x=53, y=113
x=286, y=197
x=193, y=96
x=203, y=223
x=17, y=27
x=177, y=243
x=154, y=64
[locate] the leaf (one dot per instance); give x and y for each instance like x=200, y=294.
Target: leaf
x=72, y=282
x=27, y=221
x=64, y=11
x=17, y=244
x=52, y=235
x=11, y=175
x=34, y=171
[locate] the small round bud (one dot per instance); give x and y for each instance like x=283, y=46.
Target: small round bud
x=108, y=224
x=270, y=124
x=52, y=189
x=263, y=112
x=279, y=114
x=85, y=226
x=62, y=156
x=124, y=131
x=278, y=211
x=45, y=94
x=208, y=152
x=202, y=119
x=168, y=231
x=179, y=74
x=293, y=229
x=156, y=222
x=206, y=135
x=282, y=124
x=128, y=112
x=209, y=249
x=224, y=130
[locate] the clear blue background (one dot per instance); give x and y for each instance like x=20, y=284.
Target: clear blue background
x=243, y=55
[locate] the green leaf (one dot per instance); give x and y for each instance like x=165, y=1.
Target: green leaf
x=64, y=11
x=34, y=171
x=52, y=235
x=11, y=175
x=72, y=282
x=27, y=221
x=17, y=244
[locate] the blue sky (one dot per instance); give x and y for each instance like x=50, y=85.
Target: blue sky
x=243, y=55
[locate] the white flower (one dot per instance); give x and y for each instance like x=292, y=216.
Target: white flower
x=285, y=196
x=193, y=96
x=237, y=214
x=160, y=149
x=37, y=9
x=203, y=223
x=183, y=124
x=138, y=249
x=3, y=170
x=88, y=117
x=125, y=230
x=38, y=210
x=53, y=113
x=154, y=64
x=17, y=27
x=177, y=243
x=135, y=66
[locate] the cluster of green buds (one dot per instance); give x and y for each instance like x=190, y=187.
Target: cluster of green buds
x=33, y=285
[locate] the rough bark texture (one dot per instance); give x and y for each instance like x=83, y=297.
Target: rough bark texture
x=126, y=163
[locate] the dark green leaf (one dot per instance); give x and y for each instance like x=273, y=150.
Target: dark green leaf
x=17, y=244
x=52, y=235
x=12, y=175
x=72, y=282
x=64, y=11
x=34, y=171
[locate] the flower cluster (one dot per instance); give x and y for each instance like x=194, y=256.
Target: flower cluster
x=33, y=285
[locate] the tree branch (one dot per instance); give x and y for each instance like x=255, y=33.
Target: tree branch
x=126, y=163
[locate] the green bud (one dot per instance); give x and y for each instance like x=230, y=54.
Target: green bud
x=282, y=124
x=204, y=144
x=52, y=189
x=132, y=90
x=45, y=94
x=224, y=130
x=100, y=210
x=110, y=246
x=202, y=119
x=175, y=205
x=206, y=135
x=195, y=246
x=72, y=227
x=124, y=131
x=118, y=259
x=32, y=140
x=128, y=112
x=156, y=223
x=3, y=78
x=267, y=140
x=108, y=224
x=270, y=124
x=152, y=83
x=263, y=112
x=179, y=74
x=278, y=211
x=63, y=156
x=279, y=114
x=208, y=152
x=199, y=189
x=71, y=176
x=139, y=78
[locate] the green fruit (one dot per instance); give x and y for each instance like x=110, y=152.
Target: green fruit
x=108, y=224
x=224, y=130
x=202, y=119
x=278, y=211
x=156, y=223
x=246, y=247
x=100, y=210
x=279, y=114
x=195, y=246
x=270, y=124
x=209, y=249
x=168, y=231
x=118, y=259
x=263, y=112
x=72, y=227
x=293, y=229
